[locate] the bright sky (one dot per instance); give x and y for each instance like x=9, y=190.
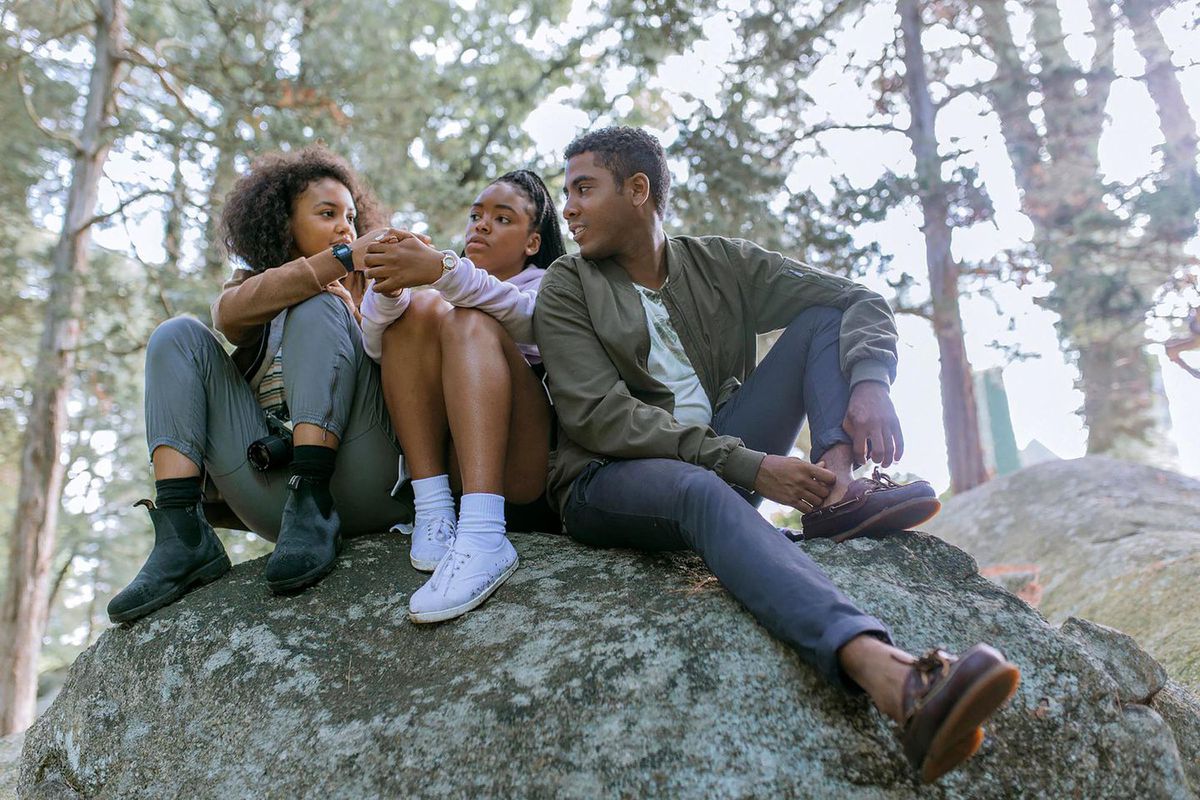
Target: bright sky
x=1041, y=396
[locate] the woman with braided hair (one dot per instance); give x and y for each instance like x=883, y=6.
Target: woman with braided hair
x=462, y=381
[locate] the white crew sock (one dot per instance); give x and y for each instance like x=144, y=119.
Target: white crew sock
x=432, y=499
x=480, y=523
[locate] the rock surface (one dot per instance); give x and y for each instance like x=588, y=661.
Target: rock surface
x=10, y=754
x=1138, y=676
x=590, y=674
x=1109, y=541
x=1181, y=711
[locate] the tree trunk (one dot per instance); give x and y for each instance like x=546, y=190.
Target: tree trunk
x=24, y=609
x=960, y=417
x=223, y=177
x=173, y=230
x=1174, y=219
x=1124, y=414
x=1102, y=291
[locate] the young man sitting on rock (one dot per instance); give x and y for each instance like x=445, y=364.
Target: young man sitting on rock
x=669, y=435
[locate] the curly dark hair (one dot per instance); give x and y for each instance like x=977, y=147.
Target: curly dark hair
x=626, y=151
x=256, y=219
x=545, y=215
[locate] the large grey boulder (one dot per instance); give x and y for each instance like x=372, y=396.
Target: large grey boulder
x=1113, y=542
x=1137, y=674
x=10, y=754
x=590, y=674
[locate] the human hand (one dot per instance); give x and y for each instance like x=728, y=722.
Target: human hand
x=401, y=260
x=793, y=482
x=359, y=247
x=873, y=425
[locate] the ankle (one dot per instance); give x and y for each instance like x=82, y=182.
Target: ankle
x=177, y=492
x=432, y=499
x=313, y=462
x=184, y=522
x=880, y=669
x=481, y=523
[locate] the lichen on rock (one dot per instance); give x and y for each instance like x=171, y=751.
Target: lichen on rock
x=591, y=673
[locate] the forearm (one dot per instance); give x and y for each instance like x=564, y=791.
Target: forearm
x=250, y=302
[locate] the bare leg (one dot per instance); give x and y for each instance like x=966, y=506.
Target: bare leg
x=880, y=669
x=308, y=434
x=499, y=415
x=412, y=384
x=839, y=460
x=170, y=463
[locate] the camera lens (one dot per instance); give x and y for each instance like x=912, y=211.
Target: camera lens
x=268, y=452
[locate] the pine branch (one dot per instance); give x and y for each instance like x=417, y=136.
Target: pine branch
x=816, y=130
x=121, y=207
x=161, y=71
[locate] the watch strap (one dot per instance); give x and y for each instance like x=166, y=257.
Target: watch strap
x=344, y=254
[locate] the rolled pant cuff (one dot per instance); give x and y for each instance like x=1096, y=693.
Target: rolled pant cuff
x=191, y=452
x=322, y=422
x=838, y=635
x=823, y=440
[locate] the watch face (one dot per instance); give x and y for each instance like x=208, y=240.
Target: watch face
x=343, y=253
x=448, y=261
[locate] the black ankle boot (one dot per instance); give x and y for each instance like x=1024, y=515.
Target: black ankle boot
x=174, y=566
x=309, y=541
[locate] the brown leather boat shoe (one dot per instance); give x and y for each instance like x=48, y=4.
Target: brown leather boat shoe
x=946, y=699
x=873, y=505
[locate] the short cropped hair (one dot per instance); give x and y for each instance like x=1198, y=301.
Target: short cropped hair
x=624, y=152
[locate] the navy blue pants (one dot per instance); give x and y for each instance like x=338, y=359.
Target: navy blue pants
x=665, y=504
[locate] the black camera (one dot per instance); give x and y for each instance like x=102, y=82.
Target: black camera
x=273, y=450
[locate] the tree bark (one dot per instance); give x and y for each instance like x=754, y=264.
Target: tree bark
x=1175, y=220
x=173, y=229
x=960, y=416
x=1101, y=290
x=24, y=609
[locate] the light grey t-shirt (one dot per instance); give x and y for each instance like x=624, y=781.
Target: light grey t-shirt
x=670, y=365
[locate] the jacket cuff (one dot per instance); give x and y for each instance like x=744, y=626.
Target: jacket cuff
x=741, y=467
x=870, y=370
x=452, y=281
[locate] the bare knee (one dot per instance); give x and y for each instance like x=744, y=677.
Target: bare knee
x=467, y=326
x=524, y=490
x=422, y=320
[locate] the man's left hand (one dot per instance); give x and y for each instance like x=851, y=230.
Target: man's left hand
x=402, y=260
x=872, y=423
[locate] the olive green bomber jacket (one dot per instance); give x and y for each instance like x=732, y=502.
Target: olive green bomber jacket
x=720, y=293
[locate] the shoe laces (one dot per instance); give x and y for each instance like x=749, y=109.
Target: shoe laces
x=883, y=479
x=451, y=563
x=440, y=529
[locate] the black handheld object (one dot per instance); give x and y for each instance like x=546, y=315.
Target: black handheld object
x=273, y=450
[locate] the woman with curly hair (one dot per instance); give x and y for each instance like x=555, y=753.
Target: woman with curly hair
x=463, y=384
x=297, y=222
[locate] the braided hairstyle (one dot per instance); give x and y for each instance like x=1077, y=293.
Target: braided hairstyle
x=545, y=215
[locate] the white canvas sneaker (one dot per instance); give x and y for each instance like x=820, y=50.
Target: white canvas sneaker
x=462, y=582
x=431, y=541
